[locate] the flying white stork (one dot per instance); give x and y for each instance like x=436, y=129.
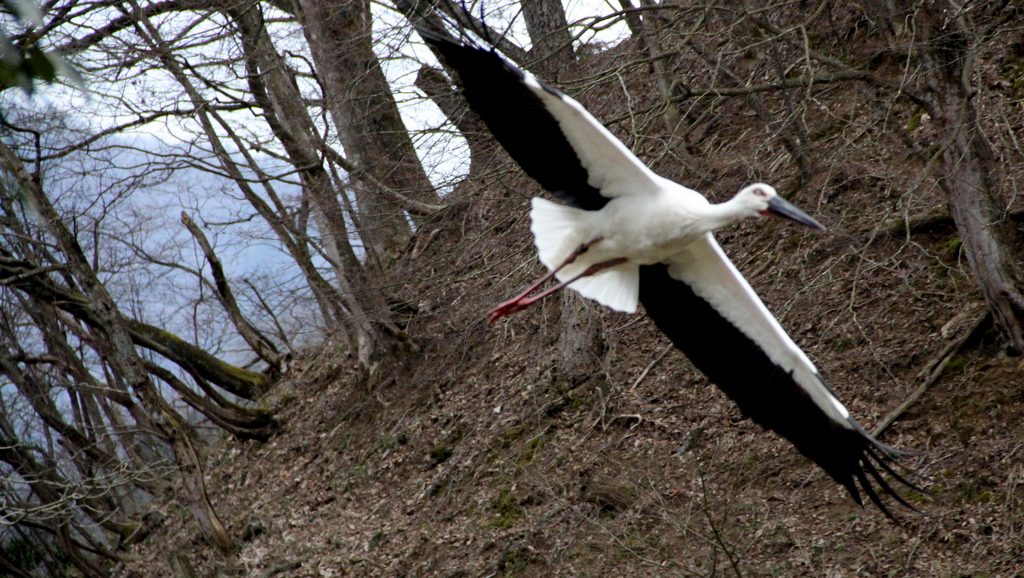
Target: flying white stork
x=632, y=236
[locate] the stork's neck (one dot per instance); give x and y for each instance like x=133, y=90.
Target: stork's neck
x=724, y=214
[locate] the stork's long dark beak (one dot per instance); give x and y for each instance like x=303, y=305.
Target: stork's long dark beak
x=780, y=207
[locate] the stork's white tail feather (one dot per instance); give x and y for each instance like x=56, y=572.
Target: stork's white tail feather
x=556, y=235
x=617, y=287
x=554, y=231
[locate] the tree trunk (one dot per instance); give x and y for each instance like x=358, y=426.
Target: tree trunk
x=264, y=67
x=365, y=114
x=113, y=339
x=195, y=493
x=970, y=173
x=580, y=342
x=633, y=22
x=549, y=32
x=284, y=109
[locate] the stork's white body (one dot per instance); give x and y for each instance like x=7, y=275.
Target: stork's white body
x=645, y=231
x=647, y=227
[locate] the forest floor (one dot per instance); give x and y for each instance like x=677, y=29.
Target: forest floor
x=474, y=458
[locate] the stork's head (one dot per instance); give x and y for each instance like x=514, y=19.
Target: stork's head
x=761, y=199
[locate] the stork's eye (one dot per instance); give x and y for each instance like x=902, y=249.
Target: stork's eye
x=760, y=192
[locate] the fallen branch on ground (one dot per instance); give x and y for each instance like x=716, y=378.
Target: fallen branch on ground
x=933, y=370
x=650, y=366
x=284, y=567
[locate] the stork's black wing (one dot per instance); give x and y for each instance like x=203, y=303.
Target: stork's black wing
x=550, y=135
x=709, y=311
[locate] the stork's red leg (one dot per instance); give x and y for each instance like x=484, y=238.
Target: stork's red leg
x=514, y=304
x=522, y=301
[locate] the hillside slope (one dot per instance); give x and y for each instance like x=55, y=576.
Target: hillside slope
x=476, y=459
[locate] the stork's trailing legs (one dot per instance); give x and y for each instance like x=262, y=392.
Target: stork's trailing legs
x=523, y=300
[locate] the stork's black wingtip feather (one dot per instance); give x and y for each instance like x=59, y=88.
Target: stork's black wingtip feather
x=446, y=43
x=881, y=461
x=882, y=483
x=887, y=449
x=851, y=487
x=870, y=491
x=438, y=39
x=428, y=35
x=872, y=456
